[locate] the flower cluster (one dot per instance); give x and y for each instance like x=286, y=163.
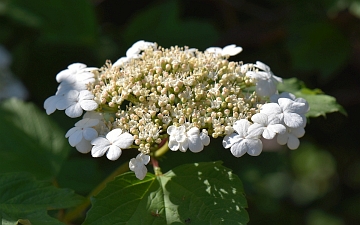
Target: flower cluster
x=177, y=96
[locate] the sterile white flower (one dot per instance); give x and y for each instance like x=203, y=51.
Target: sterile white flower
x=287, y=110
x=177, y=137
x=75, y=102
x=302, y=111
x=291, y=137
x=266, y=81
x=241, y=142
x=267, y=126
x=114, y=141
x=230, y=50
x=138, y=165
x=81, y=135
x=195, y=140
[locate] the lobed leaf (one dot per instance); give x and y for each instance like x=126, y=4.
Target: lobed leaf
x=199, y=193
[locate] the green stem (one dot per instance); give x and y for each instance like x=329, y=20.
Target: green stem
x=162, y=150
x=75, y=213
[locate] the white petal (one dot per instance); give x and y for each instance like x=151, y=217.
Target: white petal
x=99, y=150
x=140, y=172
x=253, y=146
x=173, y=144
x=205, y=139
x=100, y=141
x=171, y=130
x=238, y=149
x=74, y=111
x=277, y=128
x=88, y=105
x=293, y=120
x=298, y=132
x=184, y=145
x=271, y=109
x=113, y=153
x=113, y=135
x=71, y=131
x=230, y=139
x=282, y=139
x=145, y=159
x=90, y=134
x=260, y=118
x=255, y=130
x=124, y=141
x=75, y=138
x=231, y=50
x=241, y=126
x=50, y=104
x=85, y=95
x=195, y=144
x=84, y=146
x=293, y=142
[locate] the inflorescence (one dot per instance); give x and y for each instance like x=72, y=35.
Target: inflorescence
x=177, y=96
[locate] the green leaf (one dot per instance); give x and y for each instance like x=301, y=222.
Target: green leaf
x=199, y=193
x=33, y=142
x=320, y=104
x=24, y=198
x=61, y=22
x=162, y=24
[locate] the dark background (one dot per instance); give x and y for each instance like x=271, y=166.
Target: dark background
x=316, y=41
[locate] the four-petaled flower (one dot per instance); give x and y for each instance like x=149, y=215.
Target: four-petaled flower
x=241, y=142
x=113, y=143
x=82, y=134
x=75, y=102
x=138, y=165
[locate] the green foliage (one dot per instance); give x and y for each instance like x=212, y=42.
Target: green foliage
x=320, y=104
x=199, y=193
x=24, y=198
x=33, y=142
x=162, y=24
x=61, y=22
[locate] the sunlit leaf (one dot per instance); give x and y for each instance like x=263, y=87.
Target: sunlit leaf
x=26, y=199
x=30, y=140
x=199, y=193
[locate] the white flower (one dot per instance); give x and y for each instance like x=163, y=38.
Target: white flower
x=230, y=50
x=291, y=137
x=266, y=126
x=113, y=143
x=287, y=110
x=81, y=135
x=177, y=137
x=266, y=81
x=75, y=102
x=302, y=111
x=242, y=142
x=195, y=140
x=138, y=165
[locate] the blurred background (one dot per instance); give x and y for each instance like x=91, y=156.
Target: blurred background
x=317, y=41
